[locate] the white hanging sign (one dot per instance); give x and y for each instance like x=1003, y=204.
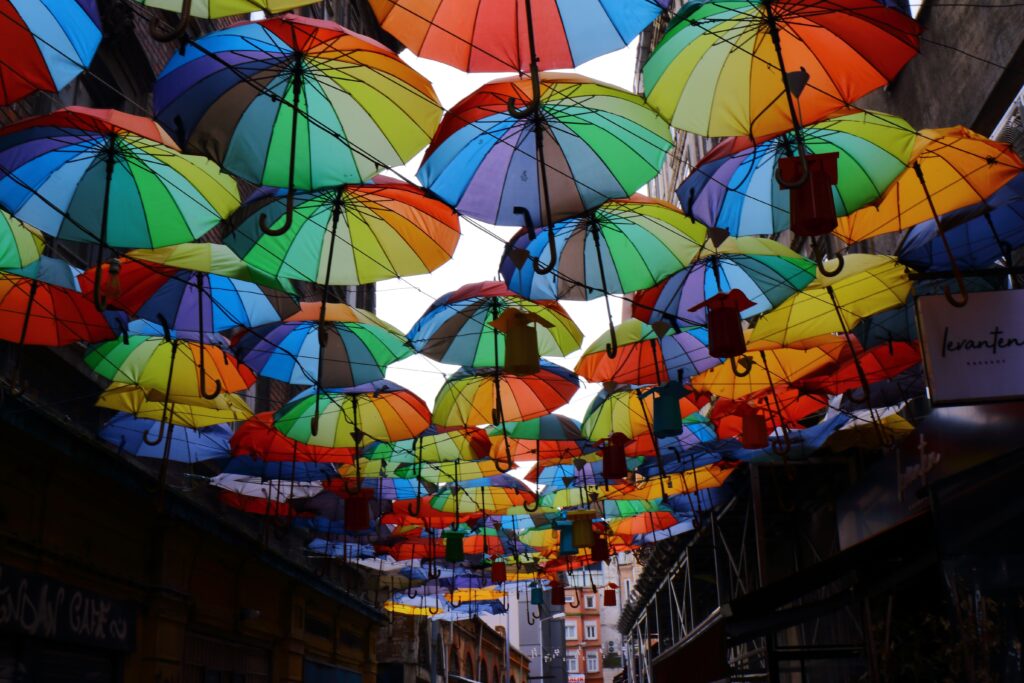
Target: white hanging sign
x=973, y=354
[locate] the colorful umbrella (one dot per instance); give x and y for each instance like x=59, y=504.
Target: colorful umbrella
x=487, y=35
x=764, y=270
x=735, y=186
x=707, y=476
x=258, y=438
x=628, y=410
x=181, y=369
x=65, y=171
x=20, y=245
x=346, y=235
x=42, y=314
x=867, y=285
x=647, y=355
x=351, y=417
x=549, y=437
x=344, y=347
x=745, y=67
x=436, y=444
x=492, y=396
x=493, y=495
x=978, y=235
x=621, y=246
x=593, y=142
x=45, y=45
x=214, y=9
x=957, y=168
x=215, y=259
x=457, y=328
x=135, y=436
x=878, y=363
x=151, y=404
x=295, y=102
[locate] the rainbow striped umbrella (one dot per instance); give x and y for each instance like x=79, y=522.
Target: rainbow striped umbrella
x=296, y=102
x=597, y=142
x=44, y=45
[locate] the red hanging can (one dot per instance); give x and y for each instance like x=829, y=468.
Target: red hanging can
x=812, y=211
x=725, y=330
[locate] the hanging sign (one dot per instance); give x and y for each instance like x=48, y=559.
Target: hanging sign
x=973, y=354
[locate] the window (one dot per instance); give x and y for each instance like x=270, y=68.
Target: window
x=570, y=630
x=590, y=630
x=572, y=664
x=593, y=661
x=589, y=601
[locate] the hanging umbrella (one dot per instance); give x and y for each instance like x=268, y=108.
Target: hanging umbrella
x=628, y=410
x=707, y=476
x=764, y=270
x=867, y=285
x=781, y=406
x=645, y=523
x=383, y=488
x=188, y=301
x=781, y=365
x=151, y=404
x=735, y=186
x=215, y=259
x=65, y=171
x=258, y=438
x=45, y=45
x=457, y=328
x=345, y=347
x=878, y=363
x=295, y=102
x=353, y=416
x=958, y=167
x=133, y=435
x=454, y=471
x=647, y=355
x=696, y=431
x=212, y=9
x=549, y=437
x=621, y=246
x=435, y=444
x=978, y=235
x=483, y=395
x=592, y=141
x=566, y=34
x=20, y=245
x=346, y=235
x=746, y=67
x=493, y=495
x=181, y=369
x=41, y=314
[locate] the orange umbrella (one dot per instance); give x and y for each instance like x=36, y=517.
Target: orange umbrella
x=786, y=407
x=958, y=166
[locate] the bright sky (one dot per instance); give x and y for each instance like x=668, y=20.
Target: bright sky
x=476, y=259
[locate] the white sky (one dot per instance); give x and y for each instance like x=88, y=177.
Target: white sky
x=477, y=257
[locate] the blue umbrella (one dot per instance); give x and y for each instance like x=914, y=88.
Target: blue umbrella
x=978, y=235
x=128, y=433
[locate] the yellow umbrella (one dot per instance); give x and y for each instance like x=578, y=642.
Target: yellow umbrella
x=461, y=595
x=867, y=285
x=958, y=167
x=705, y=477
x=770, y=365
x=410, y=610
x=153, y=405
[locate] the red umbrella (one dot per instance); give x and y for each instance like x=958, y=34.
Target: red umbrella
x=257, y=437
x=788, y=402
x=41, y=314
x=881, y=362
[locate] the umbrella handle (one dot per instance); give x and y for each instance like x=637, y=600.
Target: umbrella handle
x=159, y=435
x=175, y=31
x=823, y=256
x=745, y=361
x=202, y=376
x=289, y=208
x=123, y=334
x=532, y=232
x=576, y=599
x=783, y=447
x=531, y=507
x=530, y=109
x=612, y=348
x=959, y=300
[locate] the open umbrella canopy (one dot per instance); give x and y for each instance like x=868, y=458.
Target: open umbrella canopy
x=241, y=95
x=62, y=169
x=215, y=9
x=707, y=476
x=978, y=235
x=38, y=313
x=543, y=438
x=130, y=434
x=482, y=395
x=45, y=45
x=490, y=35
x=257, y=437
x=647, y=355
x=764, y=270
x=354, y=416
x=212, y=258
x=878, y=363
x=347, y=347
x=182, y=369
x=959, y=168
x=621, y=246
x=490, y=496
x=867, y=285
x=736, y=186
x=458, y=327
x=628, y=410
x=436, y=444
x=718, y=72
x=151, y=404
x=20, y=245
x=599, y=143
x=346, y=235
